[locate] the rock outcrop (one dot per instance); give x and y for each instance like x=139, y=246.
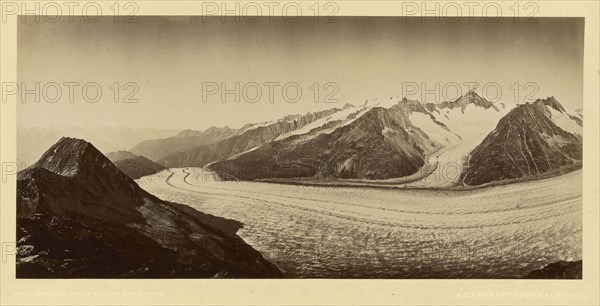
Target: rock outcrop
x=79, y=216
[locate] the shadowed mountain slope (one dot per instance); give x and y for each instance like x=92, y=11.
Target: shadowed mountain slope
x=533, y=139
x=248, y=138
x=79, y=216
x=157, y=149
x=381, y=143
x=134, y=166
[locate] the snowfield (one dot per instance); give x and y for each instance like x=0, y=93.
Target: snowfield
x=472, y=124
x=326, y=232
x=565, y=122
x=433, y=130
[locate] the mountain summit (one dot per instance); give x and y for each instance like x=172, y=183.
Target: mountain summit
x=533, y=140
x=74, y=157
x=470, y=98
x=78, y=215
x=385, y=140
x=551, y=102
x=249, y=137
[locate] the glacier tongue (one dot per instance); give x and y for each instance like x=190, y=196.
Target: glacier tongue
x=472, y=123
x=450, y=130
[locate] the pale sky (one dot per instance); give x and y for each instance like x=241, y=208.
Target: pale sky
x=170, y=58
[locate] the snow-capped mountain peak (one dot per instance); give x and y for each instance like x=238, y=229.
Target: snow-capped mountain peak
x=551, y=102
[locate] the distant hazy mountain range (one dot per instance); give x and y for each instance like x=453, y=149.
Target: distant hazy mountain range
x=247, y=138
x=32, y=142
x=474, y=139
x=158, y=149
x=385, y=140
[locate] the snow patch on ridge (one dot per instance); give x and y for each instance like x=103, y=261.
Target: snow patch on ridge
x=239, y=154
x=387, y=104
x=349, y=121
x=342, y=115
x=433, y=130
x=339, y=115
x=345, y=121
x=255, y=126
x=472, y=123
x=387, y=131
x=565, y=122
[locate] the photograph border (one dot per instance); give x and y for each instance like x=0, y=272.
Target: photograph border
x=311, y=291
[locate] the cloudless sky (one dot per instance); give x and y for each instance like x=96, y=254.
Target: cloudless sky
x=170, y=58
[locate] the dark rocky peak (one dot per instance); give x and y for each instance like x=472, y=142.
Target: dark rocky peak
x=431, y=107
x=69, y=156
x=472, y=97
x=472, y=94
x=408, y=106
x=75, y=173
x=74, y=202
x=526, y=110
x=291, y=118
x=77, y=158
x=410, y=102
x=551, y=102
x=536, y=117
x=526, y=143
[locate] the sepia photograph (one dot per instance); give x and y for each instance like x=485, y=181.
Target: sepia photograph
x=308, y=146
